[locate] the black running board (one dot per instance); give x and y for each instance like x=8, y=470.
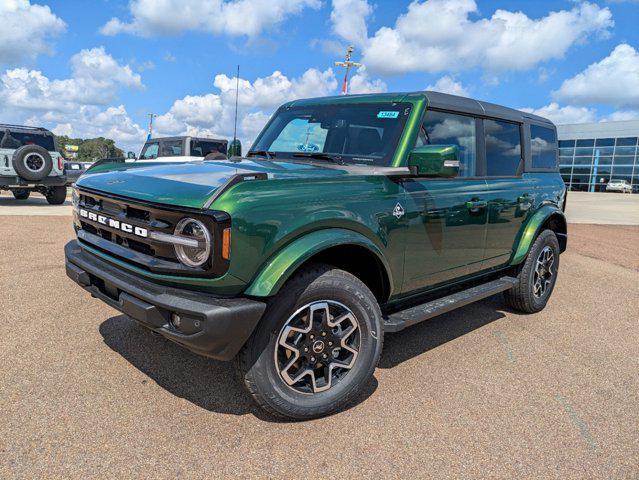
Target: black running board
x=405, y=318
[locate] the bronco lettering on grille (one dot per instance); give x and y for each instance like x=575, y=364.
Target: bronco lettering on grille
x=113, y=223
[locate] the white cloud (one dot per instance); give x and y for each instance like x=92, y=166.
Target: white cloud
x=563, y=115
x=234, y=17
x=438, y=35
x=268, y=92
x=448, y=84
x=96, y=77
x=213, y=114
x=25, y=30
x=622, y=115
x=74, y=105
x=348, y=18
x=362, y=83
x=91, y=121
x=611, y=81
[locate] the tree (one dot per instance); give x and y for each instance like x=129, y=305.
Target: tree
x=91, y=149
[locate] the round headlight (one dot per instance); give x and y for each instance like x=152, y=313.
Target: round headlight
x=193, y=256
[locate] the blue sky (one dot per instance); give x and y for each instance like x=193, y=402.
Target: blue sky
x=96, y=68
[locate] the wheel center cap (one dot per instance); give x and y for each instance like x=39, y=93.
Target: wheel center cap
x=318, y=346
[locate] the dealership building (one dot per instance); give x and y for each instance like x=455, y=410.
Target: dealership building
x=591, y=154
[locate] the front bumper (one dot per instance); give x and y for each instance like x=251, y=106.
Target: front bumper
x=212, y=326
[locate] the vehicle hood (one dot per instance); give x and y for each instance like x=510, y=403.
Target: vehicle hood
x=187, y=184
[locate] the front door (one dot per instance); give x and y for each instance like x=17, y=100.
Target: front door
x=446, y=217
x=446, y=226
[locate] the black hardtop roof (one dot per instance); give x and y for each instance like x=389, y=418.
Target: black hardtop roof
x=439, y=100
x=24, y=128
x=470, y=105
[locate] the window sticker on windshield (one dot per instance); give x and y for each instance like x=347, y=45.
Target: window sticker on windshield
x=387, y=114
x=308, y=147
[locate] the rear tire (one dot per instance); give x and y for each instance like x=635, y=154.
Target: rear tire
x=537, y=275
x=21, y=193
x=338, y=349
x=56, y=195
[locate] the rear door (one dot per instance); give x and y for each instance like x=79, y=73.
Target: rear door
x=510, y=193
x=446, y=217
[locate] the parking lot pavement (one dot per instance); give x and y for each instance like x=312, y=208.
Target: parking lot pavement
x=603, y=208
x=36, y=204
x=476, y=393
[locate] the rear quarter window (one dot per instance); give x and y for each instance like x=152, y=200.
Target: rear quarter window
x=543, y=145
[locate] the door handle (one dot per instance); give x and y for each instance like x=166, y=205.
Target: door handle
x=476, y=205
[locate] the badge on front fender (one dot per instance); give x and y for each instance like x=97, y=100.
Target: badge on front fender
x=398, y=211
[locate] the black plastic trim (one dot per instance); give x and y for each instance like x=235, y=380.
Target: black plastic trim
x=221, y=325
x=10, y=181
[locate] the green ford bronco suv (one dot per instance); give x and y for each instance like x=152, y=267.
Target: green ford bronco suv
x=349, y=218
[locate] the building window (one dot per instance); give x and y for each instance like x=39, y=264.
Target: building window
x=590, y=164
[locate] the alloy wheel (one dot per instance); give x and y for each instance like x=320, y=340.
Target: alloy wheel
x=317, y=346
x=544, y=272
x=34, y=162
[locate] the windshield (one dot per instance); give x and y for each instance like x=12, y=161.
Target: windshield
x=358, y=134
x=150, y=151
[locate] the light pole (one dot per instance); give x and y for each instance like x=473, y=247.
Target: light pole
x=151, y=117
x=347, y=63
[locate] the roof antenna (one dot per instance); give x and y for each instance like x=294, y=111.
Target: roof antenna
x=237, y=92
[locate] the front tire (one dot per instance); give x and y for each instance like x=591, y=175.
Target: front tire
x=56, y=195
x=316, y=347
x=537, y=275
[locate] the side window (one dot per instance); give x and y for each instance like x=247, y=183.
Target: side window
x=443, y=128
x=201, y=148
x=543, y=144
x=171, y=148
x=503, y=148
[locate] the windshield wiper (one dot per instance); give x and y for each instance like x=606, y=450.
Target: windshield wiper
x=321, y=156
x=261, y=153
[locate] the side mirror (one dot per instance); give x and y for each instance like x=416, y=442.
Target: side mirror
x=234, y=149
x=434, y=161
x=131, y=156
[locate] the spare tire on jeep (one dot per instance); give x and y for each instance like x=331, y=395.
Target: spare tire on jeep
x=32, y=162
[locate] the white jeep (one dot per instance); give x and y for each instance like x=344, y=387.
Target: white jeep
x=182, y=149
x=29, y=162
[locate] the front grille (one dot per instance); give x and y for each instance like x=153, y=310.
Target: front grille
x=96, y=231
